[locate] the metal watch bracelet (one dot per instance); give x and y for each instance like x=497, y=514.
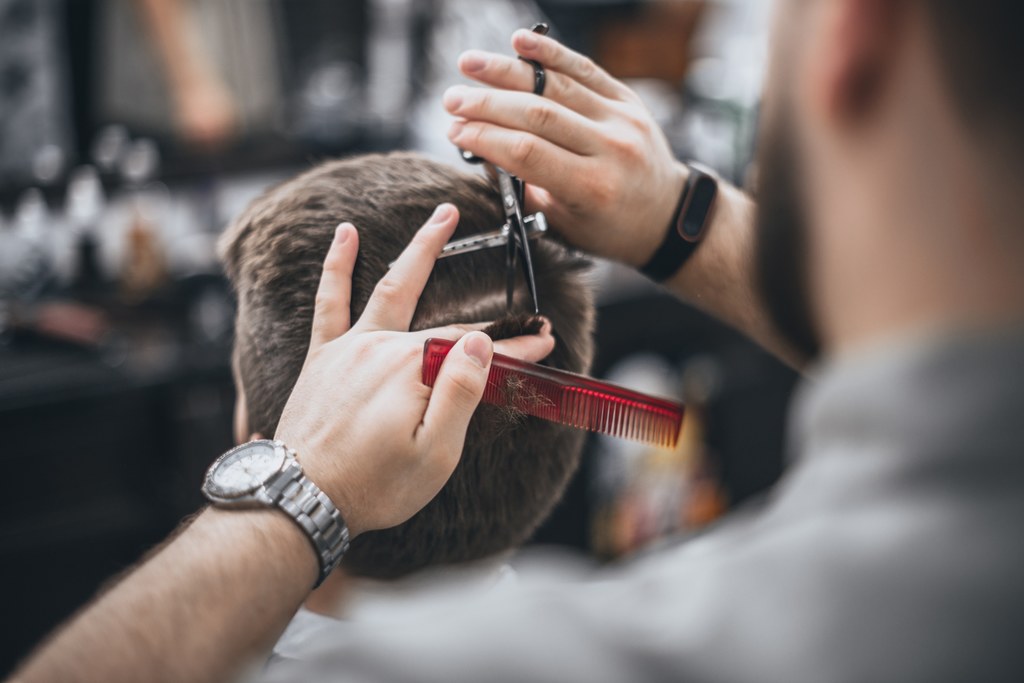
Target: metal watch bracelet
x=312, y=510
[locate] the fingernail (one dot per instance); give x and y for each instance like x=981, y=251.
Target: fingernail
x=545, y=327
x=455, y=130
x=342, y=233
x=441, y=214
x=479, y=348
x=452, y=99
x=473, y=61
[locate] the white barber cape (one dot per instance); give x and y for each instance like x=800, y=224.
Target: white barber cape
x=893, y=550
x=431, y=594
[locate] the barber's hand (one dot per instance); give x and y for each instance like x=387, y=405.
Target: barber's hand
x=594, y=159
x=367, y=431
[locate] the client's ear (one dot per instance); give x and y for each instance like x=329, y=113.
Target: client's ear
x=241, y=426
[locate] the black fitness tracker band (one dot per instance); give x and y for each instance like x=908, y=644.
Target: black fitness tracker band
x=687, y=227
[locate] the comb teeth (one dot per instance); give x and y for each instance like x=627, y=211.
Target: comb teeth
x=620, y=417
x=569, y=399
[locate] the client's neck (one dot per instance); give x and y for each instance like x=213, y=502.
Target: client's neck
x=330, y=595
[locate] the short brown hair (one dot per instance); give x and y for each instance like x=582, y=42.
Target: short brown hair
x=511, y=472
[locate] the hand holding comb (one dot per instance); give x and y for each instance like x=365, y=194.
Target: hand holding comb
x=569, y=399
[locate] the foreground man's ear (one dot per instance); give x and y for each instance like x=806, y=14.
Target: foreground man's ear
x=852, y=62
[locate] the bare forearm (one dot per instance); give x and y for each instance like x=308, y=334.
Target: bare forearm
x=208, y=604
x=720, y=276
x=169, y=24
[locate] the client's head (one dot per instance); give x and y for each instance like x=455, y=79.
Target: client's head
x=513, y=468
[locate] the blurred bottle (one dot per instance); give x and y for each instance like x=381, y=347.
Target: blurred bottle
x=144, y=264
x=32, y=231
x=32, y=216
x=25, y=264
x=48, y=164
x=109, y=148
x=84, y=205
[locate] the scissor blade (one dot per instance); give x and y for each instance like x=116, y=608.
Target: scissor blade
x=510, y=195
x=531, y=282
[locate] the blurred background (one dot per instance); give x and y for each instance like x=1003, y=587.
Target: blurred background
x=131, y=131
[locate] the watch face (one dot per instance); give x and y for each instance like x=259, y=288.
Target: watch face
x=246, y=468
x=698, y=205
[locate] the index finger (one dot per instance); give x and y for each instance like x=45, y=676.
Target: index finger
x=529, y=347
x=394, y=299
x=334, y=295
x=553, y=55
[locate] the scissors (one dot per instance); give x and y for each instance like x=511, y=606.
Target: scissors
x=513, y=193
x=512, y=196
x=519, y=229
x=514, y=235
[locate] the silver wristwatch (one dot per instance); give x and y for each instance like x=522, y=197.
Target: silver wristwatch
x=266, y=474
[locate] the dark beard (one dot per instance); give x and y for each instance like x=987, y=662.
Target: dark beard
x=780, y=255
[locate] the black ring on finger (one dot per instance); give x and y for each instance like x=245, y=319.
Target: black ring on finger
x=539, y=76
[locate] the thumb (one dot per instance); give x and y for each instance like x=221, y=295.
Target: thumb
x=457, y=391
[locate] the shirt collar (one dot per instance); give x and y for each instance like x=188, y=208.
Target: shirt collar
x=928, y=393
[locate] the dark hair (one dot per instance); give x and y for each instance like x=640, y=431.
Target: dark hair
x=512, y=471
x=980, y=48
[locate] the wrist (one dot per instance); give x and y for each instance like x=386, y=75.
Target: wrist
x=694, y=212
x=267, y=474
x=332, y=479
x=659, y=222
x=722, y=266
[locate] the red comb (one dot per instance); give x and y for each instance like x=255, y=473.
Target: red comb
x=569, y=399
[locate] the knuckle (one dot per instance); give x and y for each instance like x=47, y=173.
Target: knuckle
x=464, y=386
x=624, y=142
x=410, y=354
x=423, y=245
x=602, y=190
x=627, y=147
x=586, y=68
x=539, y=116
x=362, y=349
x=388, y=291
x=332, y=261
x=560, y=87
x=627, y=94
x=551, y=52
x=472, y=135
x=323, y=300
x=638, y=120
x=482, y=103
x=524, y=152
